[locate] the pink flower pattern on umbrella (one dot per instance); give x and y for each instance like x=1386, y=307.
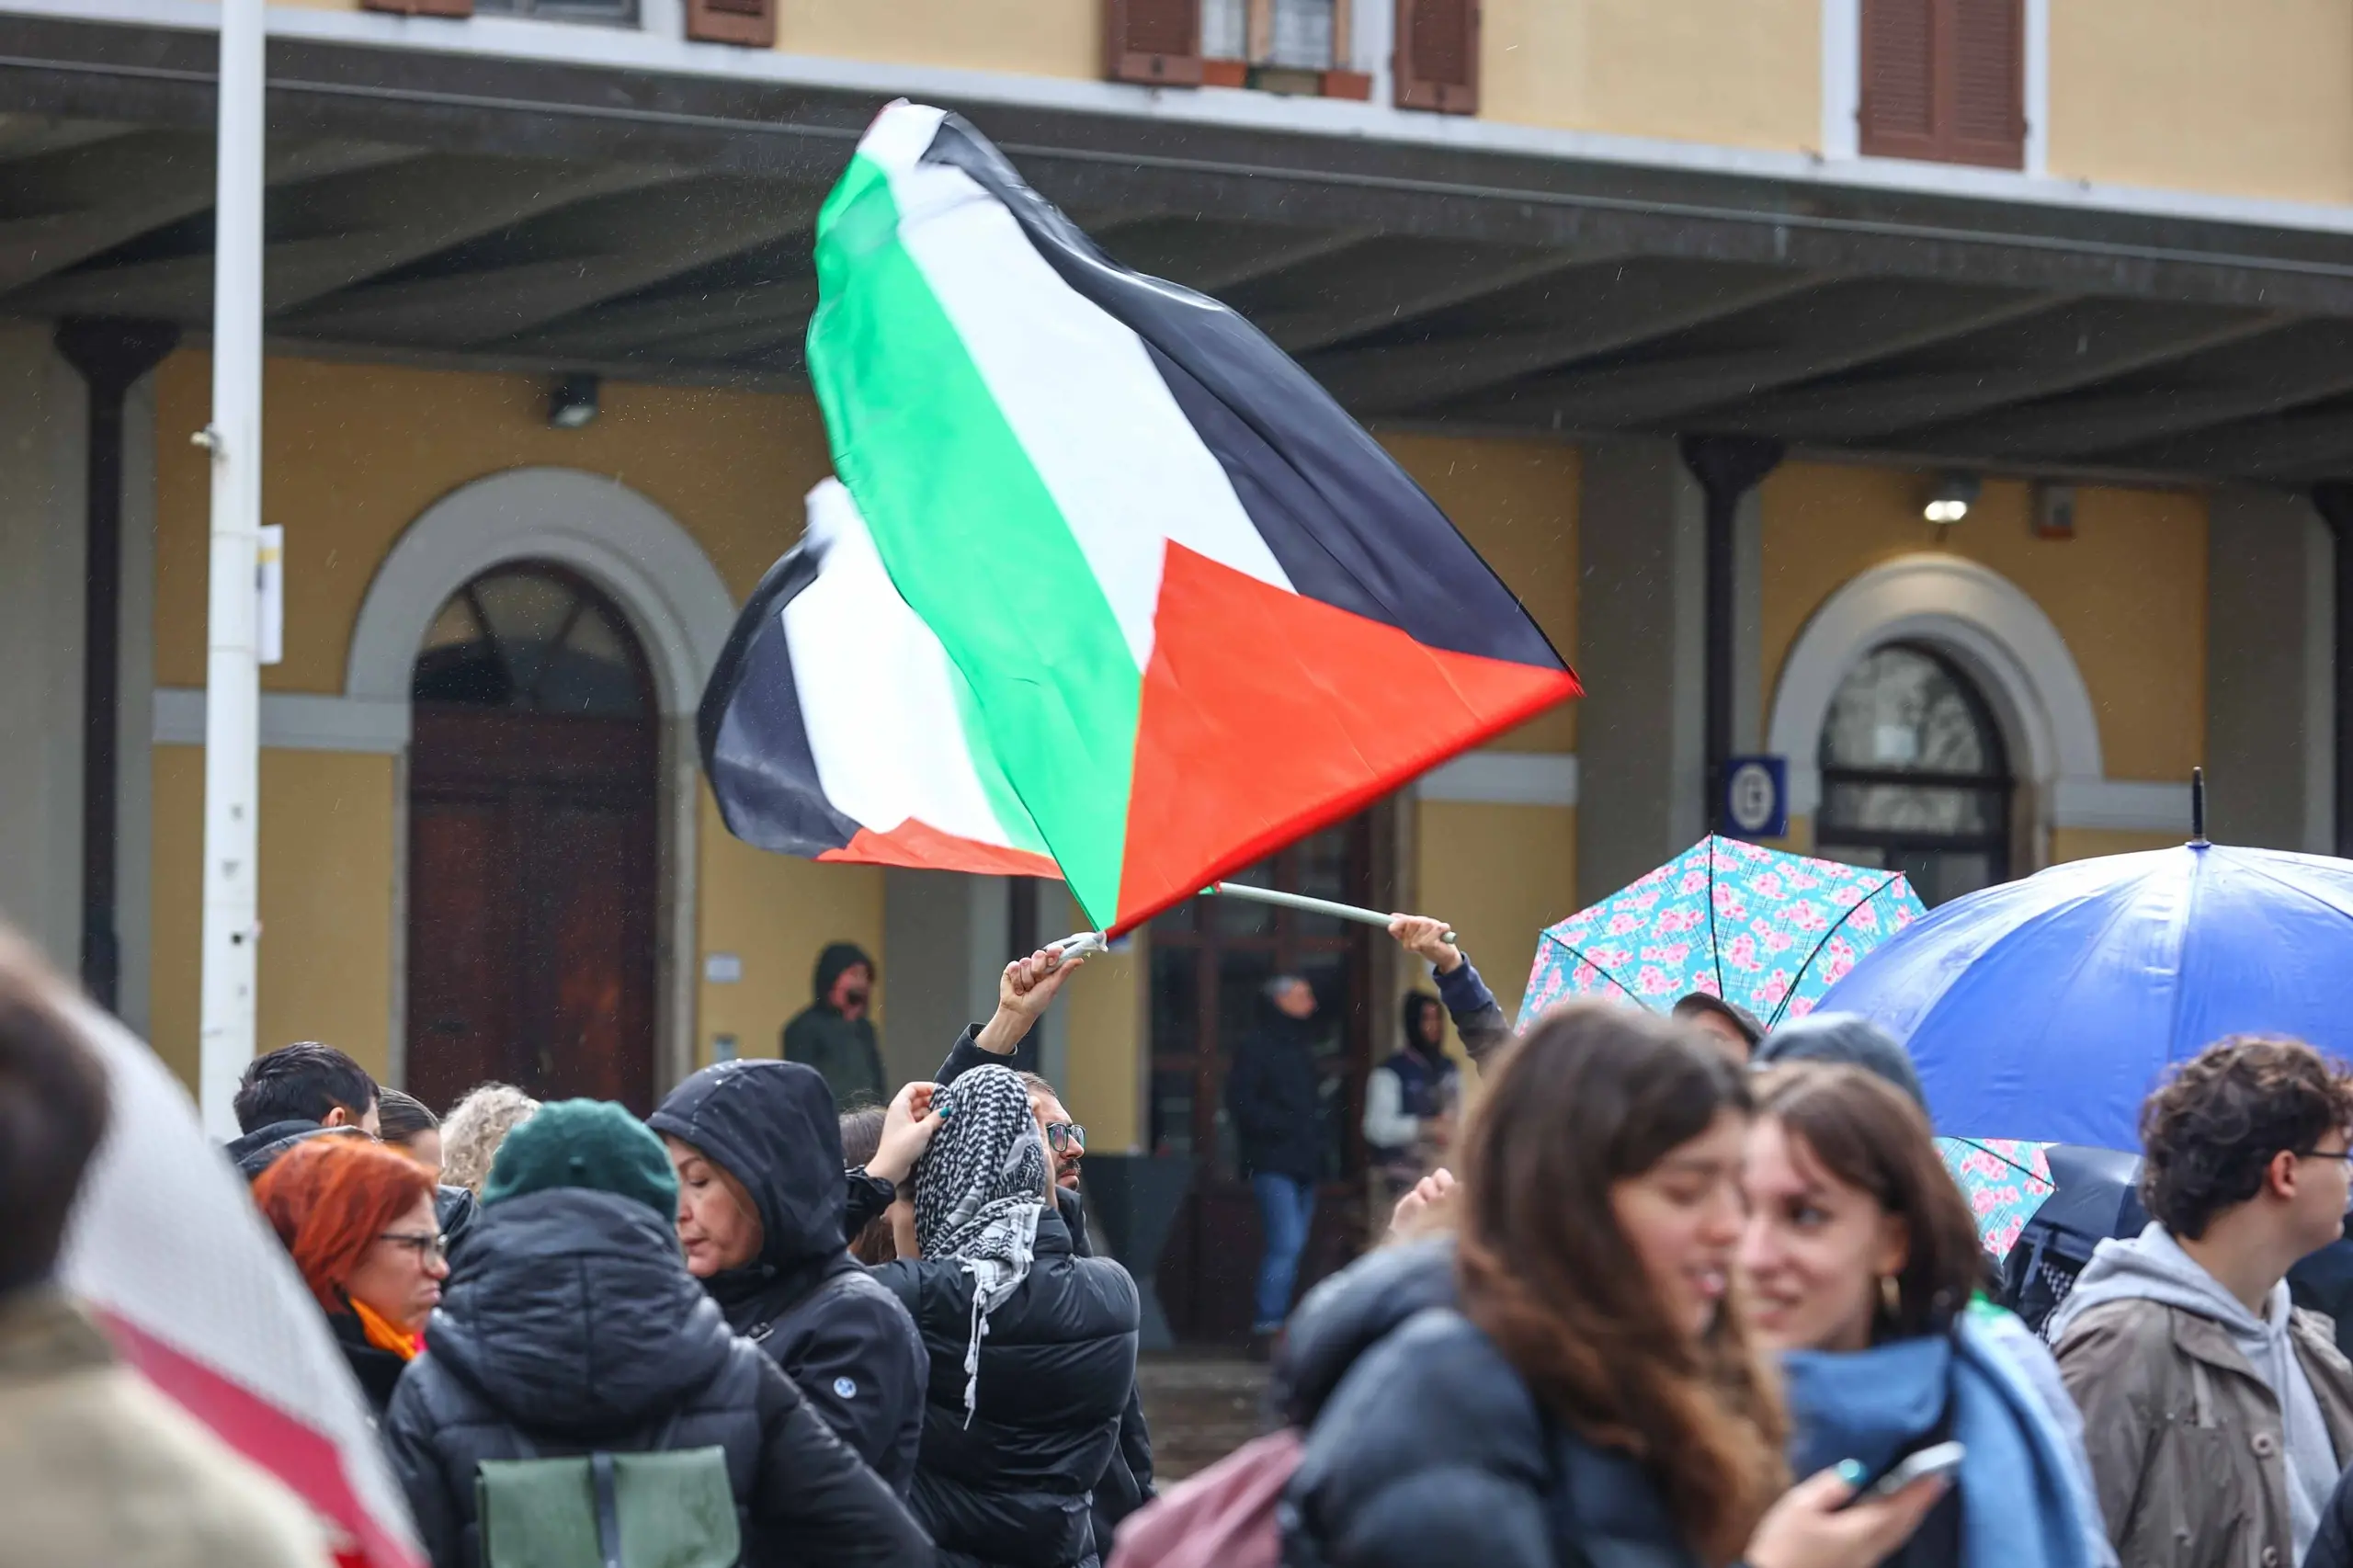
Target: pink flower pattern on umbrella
x=1769, y=930
x=2006, y=1181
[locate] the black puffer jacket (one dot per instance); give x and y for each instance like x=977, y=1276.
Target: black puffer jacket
x=1274, y=1093
x=1425, y=1450
x=1011, y=1483
x=844, y=1338
x=576, y=1326
x=1126, y=1482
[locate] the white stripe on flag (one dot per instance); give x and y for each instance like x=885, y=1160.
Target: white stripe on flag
x=875, y=693
x=1120, y=458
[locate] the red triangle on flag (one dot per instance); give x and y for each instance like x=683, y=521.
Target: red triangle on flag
x=1267, y=714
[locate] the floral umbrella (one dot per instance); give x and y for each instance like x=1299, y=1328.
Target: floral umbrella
x=2006, y=1181
x=1755, y=926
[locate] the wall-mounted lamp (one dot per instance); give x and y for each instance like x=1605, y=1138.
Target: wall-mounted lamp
x=573, y=403
x=1955, y=494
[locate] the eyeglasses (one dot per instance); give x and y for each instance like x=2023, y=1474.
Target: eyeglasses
x=1066, y=1137
x=426, y=1247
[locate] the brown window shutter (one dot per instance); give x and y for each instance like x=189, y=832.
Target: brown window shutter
x=1899, y=79
x=1988, y=83
x=421, y=7
x=1437, y=55
x=751, y=23
x=1155, y=42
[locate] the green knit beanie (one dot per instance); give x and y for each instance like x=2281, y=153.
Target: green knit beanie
x=590, y=1144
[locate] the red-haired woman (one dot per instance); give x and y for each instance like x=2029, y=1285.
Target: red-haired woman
x=358, y=1220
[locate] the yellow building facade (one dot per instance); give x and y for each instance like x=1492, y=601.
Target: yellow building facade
x=1685, y=311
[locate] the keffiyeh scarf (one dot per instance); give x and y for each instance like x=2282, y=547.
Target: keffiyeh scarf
x=979, y=1191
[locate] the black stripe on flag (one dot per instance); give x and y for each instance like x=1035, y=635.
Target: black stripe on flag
x=1349, y=526
x=755, y=747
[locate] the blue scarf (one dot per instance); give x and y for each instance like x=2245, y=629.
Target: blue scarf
x=2018, y=1507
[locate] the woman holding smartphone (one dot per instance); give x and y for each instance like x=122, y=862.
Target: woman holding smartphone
x=1562, y=1379
x=1860, y=1265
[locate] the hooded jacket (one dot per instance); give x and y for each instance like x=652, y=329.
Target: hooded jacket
x=1846, y=1038
x=843, y=1051
x=1425, y=1448
x=844, y=1339
x=575, y=1327
x=2215, y=1436
x=1274, y=1093
x=1011, y=1482
x=1416, y=1085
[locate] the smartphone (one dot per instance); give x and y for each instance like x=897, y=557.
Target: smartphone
x=1938, y=1459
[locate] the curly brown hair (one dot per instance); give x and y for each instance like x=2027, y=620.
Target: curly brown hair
x=1596, y=1094
x=1864, y=1132
x=2209, y=1134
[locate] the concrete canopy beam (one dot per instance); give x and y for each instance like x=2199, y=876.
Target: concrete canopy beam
x=1606, y=307
x=566, y=262
x=348, y=228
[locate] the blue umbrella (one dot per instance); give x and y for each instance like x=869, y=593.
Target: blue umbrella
x=2048, y=1009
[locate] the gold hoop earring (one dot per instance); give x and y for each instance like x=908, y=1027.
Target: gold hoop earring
x=1891, y=1296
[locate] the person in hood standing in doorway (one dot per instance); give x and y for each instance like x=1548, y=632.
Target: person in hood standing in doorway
x=835, y=1033
x=1033, y=1350
x=1273, y=1092
x=1409, y=1102
x=757, y=1150
x=2219, y=1418
x=578, y=1328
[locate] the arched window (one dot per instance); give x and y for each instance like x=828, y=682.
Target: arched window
x=533, y=638
x=1913, y=774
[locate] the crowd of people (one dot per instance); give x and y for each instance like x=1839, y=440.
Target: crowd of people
x=1668, y=1290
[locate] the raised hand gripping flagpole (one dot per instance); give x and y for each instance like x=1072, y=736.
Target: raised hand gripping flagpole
x=1092, y=941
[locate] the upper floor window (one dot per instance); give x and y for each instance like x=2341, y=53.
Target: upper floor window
x=750, y=23
x=1298, y=46
x=1945, y=80
x=623, y=12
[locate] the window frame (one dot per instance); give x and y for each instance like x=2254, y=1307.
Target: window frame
x=1999, y=847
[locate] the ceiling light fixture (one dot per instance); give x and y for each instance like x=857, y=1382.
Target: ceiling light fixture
x=1954, y=496
x=573, y=403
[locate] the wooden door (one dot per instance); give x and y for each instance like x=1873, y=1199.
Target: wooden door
x=532, y=791
x=1209, y=959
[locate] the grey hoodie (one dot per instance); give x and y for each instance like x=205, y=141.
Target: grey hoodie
x=2152, y=1267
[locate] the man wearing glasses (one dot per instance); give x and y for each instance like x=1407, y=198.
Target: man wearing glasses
x=1025, y=990
x=2217, y=1417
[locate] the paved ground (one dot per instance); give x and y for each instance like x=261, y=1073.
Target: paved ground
x=1201, y=1406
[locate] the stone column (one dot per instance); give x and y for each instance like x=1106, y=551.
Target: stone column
x=2270, y=673
x=1641, y=742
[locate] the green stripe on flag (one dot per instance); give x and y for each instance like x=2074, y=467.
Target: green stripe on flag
x=973, y=537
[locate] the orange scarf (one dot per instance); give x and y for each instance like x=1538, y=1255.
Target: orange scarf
x=382, y=1334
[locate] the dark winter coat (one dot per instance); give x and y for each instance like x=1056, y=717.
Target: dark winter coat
x=844, y=1340
x=575, y=1327
x=2332, y=1544
x=1478, y=1020
x=1013, y=1484
x=845, y=1051
x=256, y=1152
x=1126, y=1483
x=1425, y=1450
x=378, y=1370
x=1273, y=1092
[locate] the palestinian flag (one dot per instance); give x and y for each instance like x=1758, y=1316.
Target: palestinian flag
x=1191, y=610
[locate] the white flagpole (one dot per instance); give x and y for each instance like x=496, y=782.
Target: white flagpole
x=232, y=677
